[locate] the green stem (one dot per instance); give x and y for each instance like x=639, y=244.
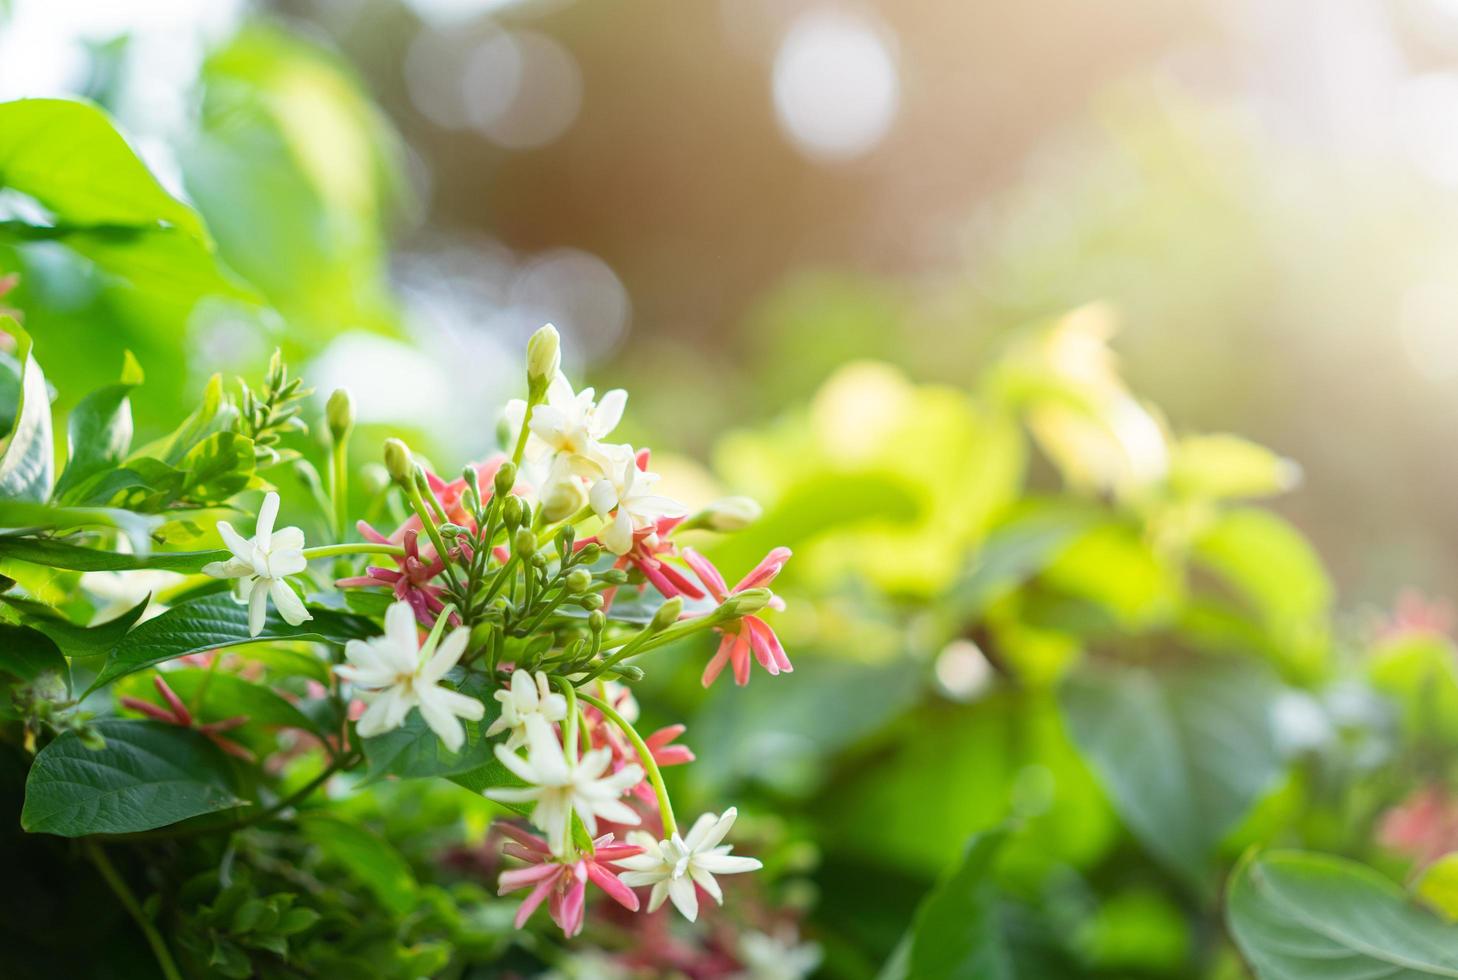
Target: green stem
x=129, y=902
x=339, y=486
x=354, y=548
x=665, y=808
x=421, y=508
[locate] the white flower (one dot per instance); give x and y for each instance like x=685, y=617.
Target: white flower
x=625, y=492
x=569, y=425
x=529, y=696
x=675, y=865
x=776, y=957
x=261, y=564
x=560, y=784
x=397, y=674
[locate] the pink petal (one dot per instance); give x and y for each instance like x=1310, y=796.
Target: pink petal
x=707, y=574
x=150, y=710
x=615, y=889
x=681, y=582
x=567, y=907
x=525, y=839
x=740, y=657
x=720, y=658
x=518, y=878
x=179, y=710
x=766, y=570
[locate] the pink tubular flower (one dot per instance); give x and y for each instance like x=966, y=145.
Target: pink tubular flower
x=564, y=882
x=177, y=714
x=1414, y=613
x=412, y=581
x=746, y=633
x=605, y=734
x=1424, y=826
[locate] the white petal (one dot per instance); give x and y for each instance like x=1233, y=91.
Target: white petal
x=637, y=879
x=660, y=892
x=618, y=535
x=698, y=835
x=706, y=881
x=603, y=497
x=400, y=628
x=545, y=752
x=267, y=514
x=257, y=608
x=685, y=899
x=240, y=546
x=286, y=539
x=290, y=606
x=446, y=656
x=609, y=412
x=726, y=864
x=442, y=722
x=454, y=701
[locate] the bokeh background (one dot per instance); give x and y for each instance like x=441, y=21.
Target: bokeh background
x=760, y=190
x=769, y=218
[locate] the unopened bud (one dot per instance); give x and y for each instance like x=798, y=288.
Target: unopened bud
x=563, y=499
x=591, y=602
x=596, y=620
x=566, y=537
x=544, y=357
x=615, y=576
x=588, y=553
x=398, y=462
x=524, y=542
x=726, y=515
x=511, y=512
x=628, y=672
x=339, y=412
x=749, y=601
x=579, y=580
x=449, y=530
x=505, y=478
x=667, y=615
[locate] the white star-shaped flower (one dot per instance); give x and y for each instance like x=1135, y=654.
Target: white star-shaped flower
x=561, y=784
x=569, y=425
x=675, y=865
x=529, y=695
x=396, y=674
x=261, y=564
x=625, y=492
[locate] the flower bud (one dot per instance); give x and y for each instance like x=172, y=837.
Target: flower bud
x=339, y=412
x=511, y=512
x=449, y=530
x=524, y=542
x=544, y=357
x=399, y=463
x=726, y=515
x=596, y=620
x=615, y=576
x=505, y=478
x=628, y=672
x=579, y=580
x=564, y=498
x=591, y=602
x=588, y=553
x=565, y=539
x=749, y=601
x=667, y=615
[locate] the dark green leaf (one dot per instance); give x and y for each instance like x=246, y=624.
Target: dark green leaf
x=1183, y=754
x=85, y=642
x=957, y=932
x=413, y=751
x=368, y=858
x=148, y=775
x=26, y=654
x=26, y=516
x=1302, y=916
x=99, y=431
x=54, y=553
x=215, y=622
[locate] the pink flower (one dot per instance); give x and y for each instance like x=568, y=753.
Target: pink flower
x=746, y=633
x=1423, y=826
x=177, y=714
x=1415, y=613
x=412, y=581
x=564, y=882
x=605, y=734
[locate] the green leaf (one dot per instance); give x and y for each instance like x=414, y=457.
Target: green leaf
x=26, y=653
x=26, y=516
x=1184, y=754
x=413, y=751
x=85, y=642
x=1279, y=576
x=957, y=932
x=1226, y=467
x=27, y=463
x=214, y=622
x=69, y=157
x=99, y=430
x=1438, y=887
x=1303, y=916
x=148, y=775
x=213, y=696
x=54, y=553
x=366, y=857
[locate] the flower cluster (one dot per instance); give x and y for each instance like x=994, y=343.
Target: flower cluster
x=507, y=598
